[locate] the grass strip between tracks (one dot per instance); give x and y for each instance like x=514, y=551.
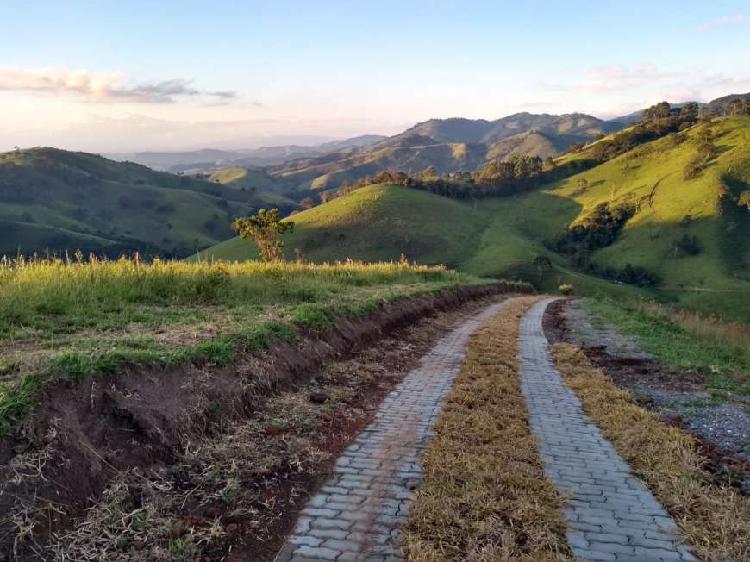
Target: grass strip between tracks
x=484, y=494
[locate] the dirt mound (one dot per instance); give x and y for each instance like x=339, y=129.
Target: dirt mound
x=85, y=432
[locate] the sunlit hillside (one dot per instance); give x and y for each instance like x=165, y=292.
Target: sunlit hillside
x=504, y=236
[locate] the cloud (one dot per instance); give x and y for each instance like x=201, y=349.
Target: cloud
x=715, y=23
x=619, y=78
x=101, y=87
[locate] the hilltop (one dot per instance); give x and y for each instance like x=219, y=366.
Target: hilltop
x=448, y=145
x=684, y=242
x=54, y=200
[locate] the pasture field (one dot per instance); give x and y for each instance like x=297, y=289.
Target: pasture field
x=502, y=236
x=78, y=318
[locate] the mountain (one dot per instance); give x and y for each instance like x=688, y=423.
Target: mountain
x=176, y=161
x=450, y=145
x=458, y=130
x=54, y=200
x=719, y=105
x=212, y=159
x=688, y=230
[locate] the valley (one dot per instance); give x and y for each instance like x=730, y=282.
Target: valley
x=503, y=236
x=519, y=339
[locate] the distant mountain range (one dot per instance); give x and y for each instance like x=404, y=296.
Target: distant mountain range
x=211, y=159
x=56, y=200
x=449, y=145
x=685, y=241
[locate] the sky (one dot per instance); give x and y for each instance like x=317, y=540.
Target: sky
x=122, y=76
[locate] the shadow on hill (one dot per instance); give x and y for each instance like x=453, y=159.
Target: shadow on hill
x=735, y=229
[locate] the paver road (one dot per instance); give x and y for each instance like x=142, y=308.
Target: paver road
x=612, y=515
x=358, y=513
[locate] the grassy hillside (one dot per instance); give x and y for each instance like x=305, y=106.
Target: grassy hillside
x=268, y=190
x=378, y=222
x=669, y=208
x=56, y=200
x=502, y=237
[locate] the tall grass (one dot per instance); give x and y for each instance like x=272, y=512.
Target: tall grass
x=33, y=291
x=705, y=327
x=96, y=316
x=685, y=340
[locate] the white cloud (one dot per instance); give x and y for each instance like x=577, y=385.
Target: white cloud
x=617, y=78
x=101, y=87
x=723, y=21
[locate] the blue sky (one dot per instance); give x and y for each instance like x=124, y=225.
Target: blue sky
x=128, y=75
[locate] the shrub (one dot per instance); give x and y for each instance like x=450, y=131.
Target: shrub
x=566, y=289
x=687, y=245
x=598, y=230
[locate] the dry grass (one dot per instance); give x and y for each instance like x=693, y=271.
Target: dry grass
x=714, y=519
x=484, y=496
x=708, y=327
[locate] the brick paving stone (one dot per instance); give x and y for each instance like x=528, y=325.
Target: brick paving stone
x=357, y=514
x=612, y=515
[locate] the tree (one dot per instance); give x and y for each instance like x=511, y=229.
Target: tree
x=661, y=110
x=429, y=172
x=542, y=263
x=690, y=111
x=738, y=107
x=307, y=203
x=266, y=228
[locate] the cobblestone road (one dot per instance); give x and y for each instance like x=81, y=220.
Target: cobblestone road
x=358, y=513
x=612, y=515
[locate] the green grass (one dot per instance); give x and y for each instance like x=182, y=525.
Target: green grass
x=57, y=200
x=378, y=222
x=500, y=237
x=268, y=190
x=680, y=345
x=69, y=319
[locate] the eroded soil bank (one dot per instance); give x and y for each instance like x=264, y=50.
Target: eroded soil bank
x=203, y=461
x=721, y=423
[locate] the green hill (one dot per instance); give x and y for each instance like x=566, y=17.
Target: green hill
x=269, y=190
x=54, y=200
x=503, y=236
x=378, y=222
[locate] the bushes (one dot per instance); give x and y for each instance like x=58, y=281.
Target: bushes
x=687, y=245
x=566, y=289
x=644, y=132
x=598, y=230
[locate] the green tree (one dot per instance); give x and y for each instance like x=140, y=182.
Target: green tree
x=661, y=110
x=266, y=228
x=690, y=111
